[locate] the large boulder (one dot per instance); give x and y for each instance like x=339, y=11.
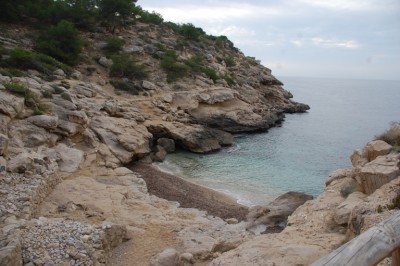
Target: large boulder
x=11, y=105
x=169, y=257
x=343, y=211
x=125, y=138
x=24, y=134
x=276, y=213
x=372, y=150
x=44, y=121
x=195, y=138
x=378, y=172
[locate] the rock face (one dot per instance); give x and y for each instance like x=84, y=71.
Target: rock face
x=275, y=215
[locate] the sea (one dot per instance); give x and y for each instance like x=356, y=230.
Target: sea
x=345, y=115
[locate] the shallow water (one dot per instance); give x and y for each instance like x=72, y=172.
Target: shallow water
x=344, y=116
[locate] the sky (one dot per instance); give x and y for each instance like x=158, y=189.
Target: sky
x=304, y=38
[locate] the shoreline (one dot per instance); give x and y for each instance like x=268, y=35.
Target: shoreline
x=189, y=194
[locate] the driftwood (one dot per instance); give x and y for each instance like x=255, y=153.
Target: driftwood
x=370, y=247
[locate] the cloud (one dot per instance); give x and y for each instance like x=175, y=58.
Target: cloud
x=232, y=31
x=193, y=13
x=329, y=43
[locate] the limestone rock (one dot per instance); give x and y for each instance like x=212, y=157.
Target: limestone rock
x=159, y=154
x=276, y=213
x=167, y=144
x=125, y=138
x=25, y=134
x=147, y=85
x=19, y=163
x=11, y=105
x=169, y=257
x=44, y=121
x=377, y=148
x=105, y=62
x=378, y=172
x=3, y=144
x=88, y=90
x=195, y=138
x=343, y=211
x=4, y=121
x=133, y=49
x=11, y=254
x=69, y=158
x=339, y=174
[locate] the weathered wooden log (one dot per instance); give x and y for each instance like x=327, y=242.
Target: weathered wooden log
x=368, y=248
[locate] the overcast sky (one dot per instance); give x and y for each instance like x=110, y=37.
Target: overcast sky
x=312, y=38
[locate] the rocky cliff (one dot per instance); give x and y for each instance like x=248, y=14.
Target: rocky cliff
x=66, y=135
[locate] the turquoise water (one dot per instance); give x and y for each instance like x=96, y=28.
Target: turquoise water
x=344, y=116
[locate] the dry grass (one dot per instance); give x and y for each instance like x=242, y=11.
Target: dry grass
x=392, y=135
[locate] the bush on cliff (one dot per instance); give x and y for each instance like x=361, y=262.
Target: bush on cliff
x=171, y=66
x=114, y=45
x=125, y=86
x=392, y=135
x=125, y=66
x=61, y=42
x=24, y=59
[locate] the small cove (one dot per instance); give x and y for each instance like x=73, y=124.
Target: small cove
x=345, y=114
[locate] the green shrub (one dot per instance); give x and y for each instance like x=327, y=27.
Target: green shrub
x=152, y=17
x=211, y=73
x=66, y=96
x=191, y=32
x=47, y=94
x=125, y=86
x=61, y=42
x=173, y=69
x=24, y=59
x=16, y=88
x=195, y=63
x=31, y=100
x=11, y=72
x=114, y=45
x=124, y=66
x=228, y=80
x=57, y=89
x=229, y=61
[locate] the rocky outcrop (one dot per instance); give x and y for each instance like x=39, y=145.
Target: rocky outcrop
x=195, y=138
x=273, y=217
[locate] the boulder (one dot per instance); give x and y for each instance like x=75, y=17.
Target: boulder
x=3, y=144
x=11, y=254
x=339, y=174
x=19, y=163
x=276, y=213
x=159, y=154
x=78, y=117
x=377, y=148
x=169, y=257
x=167, y=144
x=105, y=62
x=88, y=90
x=133, y=49
x=359, y=158
x=69, y=159
x=25, y=134
x=44, y=121
x=378, y=172
x=343, y=211
x=125, y=138
x=11, y=105
x=147, y=85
